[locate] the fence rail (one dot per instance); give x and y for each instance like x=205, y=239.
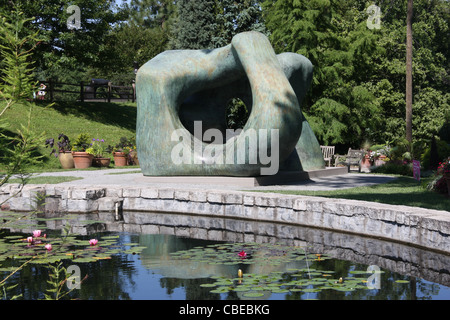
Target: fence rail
x=88, y=91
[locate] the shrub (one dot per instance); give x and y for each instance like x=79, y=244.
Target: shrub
x=394, y=168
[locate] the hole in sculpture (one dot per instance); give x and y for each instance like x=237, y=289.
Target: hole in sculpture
x=236, y=114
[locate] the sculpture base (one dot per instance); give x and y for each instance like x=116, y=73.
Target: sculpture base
x=284, y=177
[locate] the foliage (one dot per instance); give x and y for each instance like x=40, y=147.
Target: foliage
x=68, y=52
x=359, y=73
x=81, y=143
x=193, y=27
x=51, y=250
x=234, y=17
x=63, y=144
x=404, y=169
x=340, y=106
x=125, y=145
x=439, y=183
x=16, y=45
x=237, y=114
x=305, y=274
x=100, y=149
x=442, y=149
x=19, y=151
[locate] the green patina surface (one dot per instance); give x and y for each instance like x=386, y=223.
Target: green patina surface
x=177, y=88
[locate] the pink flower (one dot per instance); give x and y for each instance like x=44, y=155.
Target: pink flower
x=93, y=242
x=30, y=239
x=48, y=246
x=36, y=233
x=242, y=254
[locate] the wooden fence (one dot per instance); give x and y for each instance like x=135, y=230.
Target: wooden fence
x=92, y=91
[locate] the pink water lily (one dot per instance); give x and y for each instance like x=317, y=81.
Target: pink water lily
x=93, y=242
x=36, y=233
x=30, y=239
x=48, y=246
x=242, y=254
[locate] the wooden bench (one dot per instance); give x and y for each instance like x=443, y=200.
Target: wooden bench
x=328, y=153
x=354, y=158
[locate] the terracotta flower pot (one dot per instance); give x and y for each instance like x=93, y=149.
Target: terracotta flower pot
x=120, y=159
x=82, y=160
x=101, y=162
x=66, y=160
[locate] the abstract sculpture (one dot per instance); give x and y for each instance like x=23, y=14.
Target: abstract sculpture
x=181, y=121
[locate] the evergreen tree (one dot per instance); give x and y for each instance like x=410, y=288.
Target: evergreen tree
x=194, y=26
x=334, y=36
x=234, y=17
x=359, y=83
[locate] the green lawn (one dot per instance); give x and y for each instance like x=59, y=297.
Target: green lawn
x=402, y=191
x=108, y=121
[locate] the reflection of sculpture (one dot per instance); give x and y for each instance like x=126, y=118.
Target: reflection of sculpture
x=183, y=94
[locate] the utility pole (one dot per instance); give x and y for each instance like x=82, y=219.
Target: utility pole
x=409, y=94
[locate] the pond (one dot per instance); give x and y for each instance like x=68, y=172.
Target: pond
x=200, y=258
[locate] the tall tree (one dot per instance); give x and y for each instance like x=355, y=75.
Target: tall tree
x=334, y=36
x=63, y=49
x=194, y=25
x=234, y=17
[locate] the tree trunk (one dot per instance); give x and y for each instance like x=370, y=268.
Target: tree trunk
x=409, y=94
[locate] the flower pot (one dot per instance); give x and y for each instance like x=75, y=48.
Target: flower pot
x=366, y=161
x=101, y=162
x=66, y=160
x=134, y=158
x=82, y=160
x=120, y=159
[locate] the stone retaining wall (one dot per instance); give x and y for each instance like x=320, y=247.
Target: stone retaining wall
x=421, y=227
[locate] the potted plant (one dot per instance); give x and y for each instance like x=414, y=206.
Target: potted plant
x=82, y=152
x=121, y=152
x=63, y=152
x=100, y=150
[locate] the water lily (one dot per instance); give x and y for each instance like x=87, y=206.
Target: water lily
x=30, y=239
x=93, y=242
x=48, y=246
x=36, y=233
x=242, y=254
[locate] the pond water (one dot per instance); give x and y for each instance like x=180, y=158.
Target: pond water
x=184, y=258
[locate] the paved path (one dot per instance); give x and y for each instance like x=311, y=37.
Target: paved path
x=133, y=178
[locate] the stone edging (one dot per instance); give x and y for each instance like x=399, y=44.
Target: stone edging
x=416, y=226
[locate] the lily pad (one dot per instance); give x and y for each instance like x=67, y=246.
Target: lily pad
x=402, y=281
x=253, y=294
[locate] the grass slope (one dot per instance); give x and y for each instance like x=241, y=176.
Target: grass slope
x=108, y=121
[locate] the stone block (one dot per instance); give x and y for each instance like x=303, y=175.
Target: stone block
x=78, y=205
x=198, y=196
x=149, y=193
x=114, y=192
x=214, y=197
x=131, y=192
x=233, y=198
x=249, y=200
x=182, y=195
x=166, y=193
x=284, y=202
x=299, y=205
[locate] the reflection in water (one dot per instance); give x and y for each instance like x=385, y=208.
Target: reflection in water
x=154, y=274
